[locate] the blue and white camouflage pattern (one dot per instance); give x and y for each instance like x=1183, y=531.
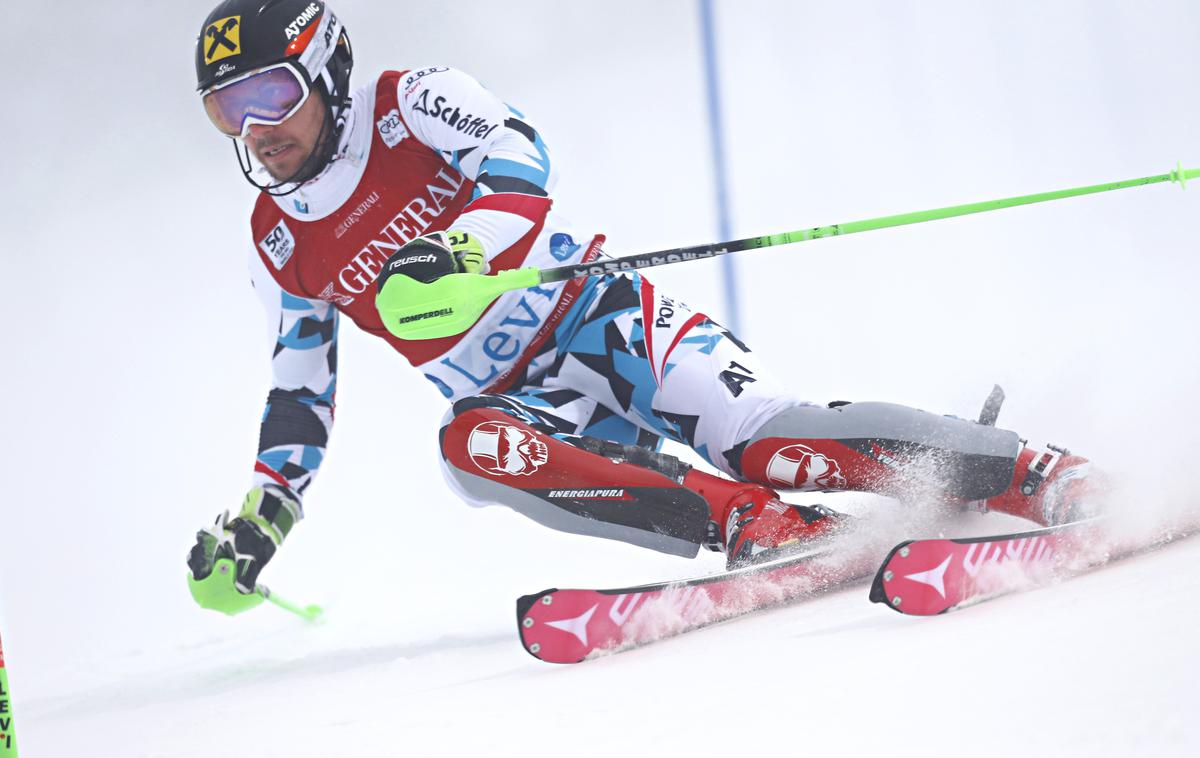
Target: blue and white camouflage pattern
x=692, y=382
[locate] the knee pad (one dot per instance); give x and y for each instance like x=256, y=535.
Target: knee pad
x=595, y=488
x=880, y=447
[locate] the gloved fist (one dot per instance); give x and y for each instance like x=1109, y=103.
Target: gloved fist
x=431, y=257
x=468, y=252
x=226, y=560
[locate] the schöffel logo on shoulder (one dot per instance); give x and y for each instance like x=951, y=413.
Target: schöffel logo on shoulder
x=278, y=245
x=294, y=29
x=475, y=126
x=391, y=128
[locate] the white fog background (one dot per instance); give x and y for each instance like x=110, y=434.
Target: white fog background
x=137, y=367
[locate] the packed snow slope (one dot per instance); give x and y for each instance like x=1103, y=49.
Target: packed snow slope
x=137, y=366
x=1101, y=665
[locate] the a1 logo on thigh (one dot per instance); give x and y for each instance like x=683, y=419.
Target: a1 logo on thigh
x=735, y=376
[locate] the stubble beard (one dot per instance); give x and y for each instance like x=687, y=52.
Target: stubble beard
x=323, y=136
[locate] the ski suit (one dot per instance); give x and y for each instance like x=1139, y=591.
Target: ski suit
x=559, y=394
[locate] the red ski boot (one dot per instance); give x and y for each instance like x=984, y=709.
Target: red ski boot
x=752, y=525
x=1050, y=487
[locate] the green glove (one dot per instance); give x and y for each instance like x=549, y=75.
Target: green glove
x=226, y=560
x=429, y=258
x=468, y=252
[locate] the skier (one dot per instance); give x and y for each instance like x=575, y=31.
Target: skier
x=560, y=395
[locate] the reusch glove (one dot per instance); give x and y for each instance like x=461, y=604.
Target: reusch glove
x=468, y=252
x=226, y=560
x=431, y=257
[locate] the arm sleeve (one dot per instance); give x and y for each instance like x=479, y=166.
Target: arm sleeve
x=299, y=414
x=491, y=144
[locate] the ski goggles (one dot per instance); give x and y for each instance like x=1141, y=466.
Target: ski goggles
x=268, y=96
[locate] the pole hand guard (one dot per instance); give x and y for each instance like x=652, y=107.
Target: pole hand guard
x=450, y=305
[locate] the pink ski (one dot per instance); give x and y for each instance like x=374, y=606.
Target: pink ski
x=568, y=626
x=927, y=577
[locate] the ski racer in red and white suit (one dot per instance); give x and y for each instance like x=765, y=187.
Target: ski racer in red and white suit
x=561, y=394
x=573, y=358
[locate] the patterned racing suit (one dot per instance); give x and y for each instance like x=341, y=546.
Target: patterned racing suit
x=554, y=384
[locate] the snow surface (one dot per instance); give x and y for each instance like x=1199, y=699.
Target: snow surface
x=1100, y=665
x=138, y=373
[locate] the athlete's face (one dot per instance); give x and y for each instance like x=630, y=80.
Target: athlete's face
x=283, y=148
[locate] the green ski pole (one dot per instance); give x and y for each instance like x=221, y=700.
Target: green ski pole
x=451, y=304
x=306, y=612
x=216, y=592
